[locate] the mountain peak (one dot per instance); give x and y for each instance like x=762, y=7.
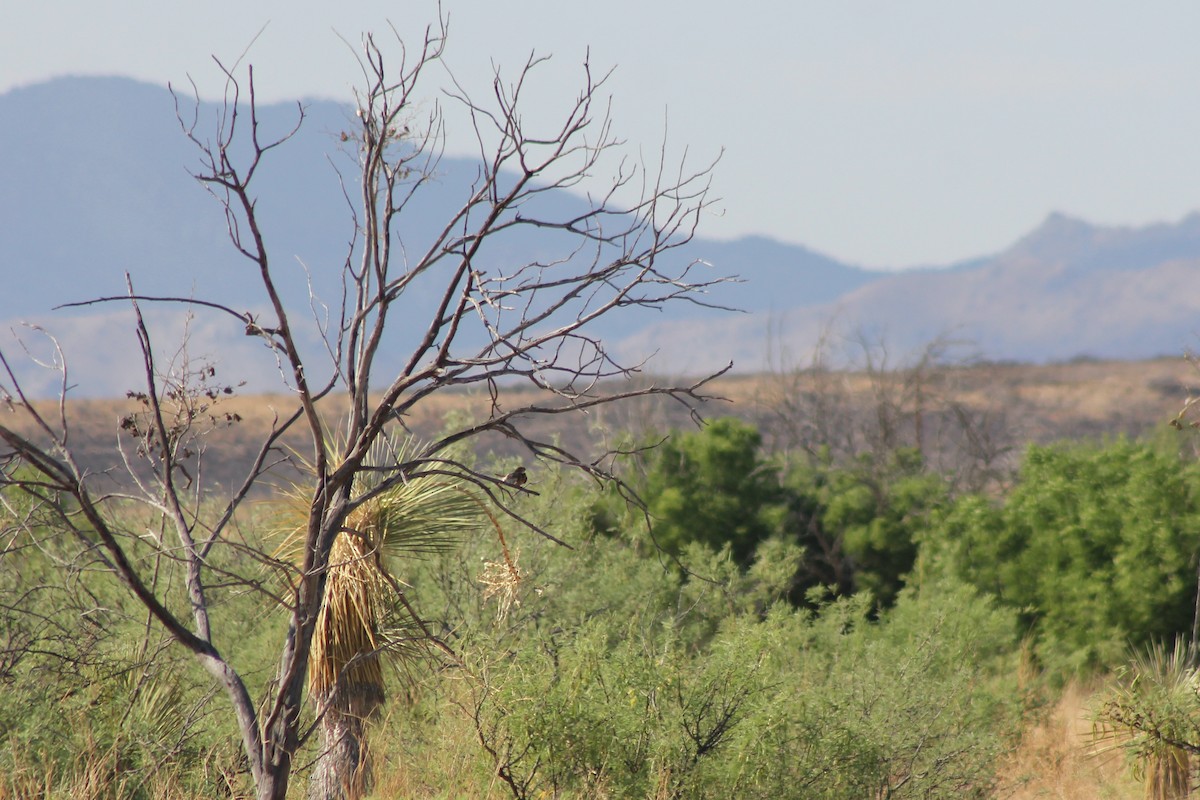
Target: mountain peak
x=1057, y=236
x=1057, y=222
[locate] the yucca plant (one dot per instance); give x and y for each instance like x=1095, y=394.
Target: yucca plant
x=365, y=616
x=1154, y=715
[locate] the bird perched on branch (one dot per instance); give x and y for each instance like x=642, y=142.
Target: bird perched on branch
x=517, y=477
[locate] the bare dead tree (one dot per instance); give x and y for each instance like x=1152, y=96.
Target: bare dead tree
x=855, y=398
x=491, y=325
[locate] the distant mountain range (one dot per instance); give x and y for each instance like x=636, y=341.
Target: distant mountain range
x=1067, y=290
x=94, y=183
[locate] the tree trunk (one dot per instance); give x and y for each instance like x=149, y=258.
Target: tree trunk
x=343, y=768
x=1168, y=775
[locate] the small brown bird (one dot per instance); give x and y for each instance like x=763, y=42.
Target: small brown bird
x=517, y=477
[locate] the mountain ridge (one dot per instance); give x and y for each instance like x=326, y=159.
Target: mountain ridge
x=96, y=184
x=1067, y=289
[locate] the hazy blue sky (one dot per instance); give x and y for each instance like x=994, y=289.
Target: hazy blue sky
x=887, y=134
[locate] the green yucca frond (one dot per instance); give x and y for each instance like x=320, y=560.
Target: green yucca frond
x=362, y=617
x=424, y=516
x=1168, y=670
x=1155, y=706
x=421, y=516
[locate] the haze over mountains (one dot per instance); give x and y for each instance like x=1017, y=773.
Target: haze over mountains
x=94, y=183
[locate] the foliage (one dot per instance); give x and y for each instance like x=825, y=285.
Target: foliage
x=619, y=675
x=611, y=670
x=1153, y=712
x=857, y=523
x=918, y=704
x=713, y=487
x=97, y=702
x=860, y=522
x=1095, y=545
x=830, y=704
x=615, y=674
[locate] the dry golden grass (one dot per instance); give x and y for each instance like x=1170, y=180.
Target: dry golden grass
x=452, y=768
x=1057, y=758
x=346, y=625
x=1041, y=403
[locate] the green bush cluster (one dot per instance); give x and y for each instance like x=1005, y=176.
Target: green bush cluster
x=713, y=487
x=1096, y=546
x=615, y=677
x=857, y=522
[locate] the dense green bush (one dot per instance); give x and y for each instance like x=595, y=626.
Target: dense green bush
x=825, y=704
x=859, y=523
x=856, y=522
x=712, y=486
x=1096, y=546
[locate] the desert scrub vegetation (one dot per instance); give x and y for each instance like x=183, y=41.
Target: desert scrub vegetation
x=97, y=703
x=1094, y=545
x=612, y=674
x=618, y=667
x=414, y=311
x=682, y=618
x=615, y=677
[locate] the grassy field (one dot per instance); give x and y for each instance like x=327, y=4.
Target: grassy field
x=1087, y=399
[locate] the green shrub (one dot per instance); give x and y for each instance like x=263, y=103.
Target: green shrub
x=859, y=523
x=920, y=703
x=1095, y=546
x=712, y=487
x=706, y=688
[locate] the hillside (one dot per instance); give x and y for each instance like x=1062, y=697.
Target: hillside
x=1066, y=290
x=82, y=209
x=1018, y=404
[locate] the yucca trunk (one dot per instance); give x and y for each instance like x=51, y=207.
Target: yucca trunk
x=343, y=769
x=1168, y=775
x=361, y=619
x=346, y=678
